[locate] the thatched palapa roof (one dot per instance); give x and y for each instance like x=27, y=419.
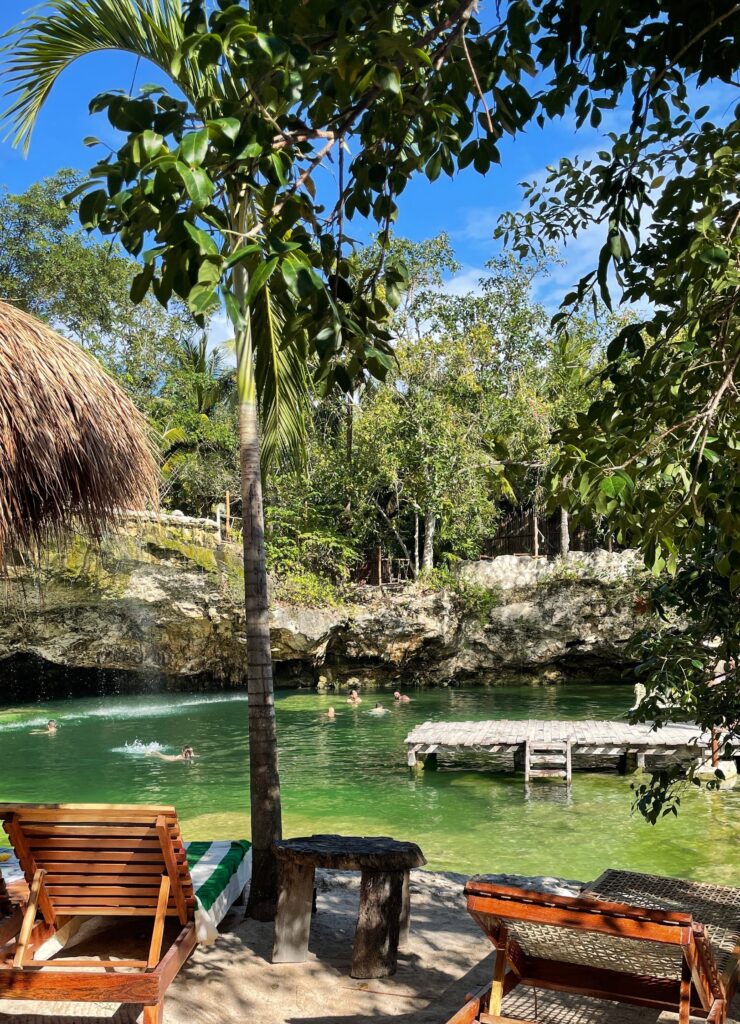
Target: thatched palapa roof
x=73, y=446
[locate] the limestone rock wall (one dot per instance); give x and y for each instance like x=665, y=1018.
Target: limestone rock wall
x=161, y=602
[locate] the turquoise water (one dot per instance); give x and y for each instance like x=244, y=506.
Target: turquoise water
x=350, y=776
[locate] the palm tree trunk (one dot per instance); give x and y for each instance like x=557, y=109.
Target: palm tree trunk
x=264, y=778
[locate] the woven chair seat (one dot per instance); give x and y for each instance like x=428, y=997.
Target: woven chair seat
x=589, y=949
x=717, y=907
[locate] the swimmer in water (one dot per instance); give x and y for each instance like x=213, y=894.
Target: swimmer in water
x=354, y=697
x=401, y=698
x=378, y=710
x=50, y=730
x=330, y=715
x=186, y=754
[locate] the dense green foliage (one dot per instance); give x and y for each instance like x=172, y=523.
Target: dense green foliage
x=659, y=457
x=459, y=430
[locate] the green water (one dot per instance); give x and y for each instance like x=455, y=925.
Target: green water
x=350, y=776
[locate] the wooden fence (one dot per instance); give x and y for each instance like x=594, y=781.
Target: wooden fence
x=515, y=536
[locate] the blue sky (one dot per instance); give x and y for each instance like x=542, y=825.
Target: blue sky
x=466, y=207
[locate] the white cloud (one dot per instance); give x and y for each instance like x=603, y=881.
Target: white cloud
x=578, y=257
x=479, y=223
x=465, y=281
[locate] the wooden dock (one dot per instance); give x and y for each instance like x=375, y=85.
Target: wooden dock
x=553, y=748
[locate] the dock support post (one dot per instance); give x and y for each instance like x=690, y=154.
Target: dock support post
x=631, y=761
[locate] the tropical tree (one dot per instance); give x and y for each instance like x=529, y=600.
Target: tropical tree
x=221, y=179
x=81, y=287
x=210, y=381
x=658, y=455
x=195, y=411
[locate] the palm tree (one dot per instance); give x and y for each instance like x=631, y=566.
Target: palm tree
x=270, y=374
x=212, y=384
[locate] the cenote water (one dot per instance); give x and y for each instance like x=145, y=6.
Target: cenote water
x=350, y=776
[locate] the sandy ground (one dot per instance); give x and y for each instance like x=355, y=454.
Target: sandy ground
x=447, y=957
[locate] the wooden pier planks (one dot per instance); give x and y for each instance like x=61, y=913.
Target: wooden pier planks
x=583, y=737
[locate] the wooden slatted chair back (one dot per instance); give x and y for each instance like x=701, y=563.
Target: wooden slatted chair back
x=101, y=858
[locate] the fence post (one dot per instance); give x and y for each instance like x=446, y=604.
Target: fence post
x=227, y=524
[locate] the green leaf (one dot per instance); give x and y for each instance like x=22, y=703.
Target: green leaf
x=234, y=310
x=389, y=80
x=297, y=278
x=92, y=207
x=259, y=279
x=433, y=167
x=226, y=127
x=203, y=299
x=146, y=146
x=241, y=253
x=393, y=296
x=206, y=243
x=250, y=151
x=714, y=255
x=197, y=183
x=341, y=287
x=194, y=147
x=140, y=284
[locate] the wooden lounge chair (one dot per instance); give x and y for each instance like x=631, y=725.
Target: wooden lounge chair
x=98, y=859
x=652, y=941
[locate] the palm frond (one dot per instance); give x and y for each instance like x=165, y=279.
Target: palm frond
x=281, y=379
x=48, y=40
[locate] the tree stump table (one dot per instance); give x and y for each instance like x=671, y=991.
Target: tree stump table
x=384, y=915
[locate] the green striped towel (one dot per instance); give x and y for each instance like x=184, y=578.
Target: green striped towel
x=220, y=871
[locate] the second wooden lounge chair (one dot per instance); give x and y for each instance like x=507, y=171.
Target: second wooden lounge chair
x=84, y=860
x=652, y=941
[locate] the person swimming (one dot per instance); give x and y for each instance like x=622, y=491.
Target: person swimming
x=401, y=698
x=330, y=715
x=378, y=710
x=354, y=697
x=50, y=730
x=186, y=754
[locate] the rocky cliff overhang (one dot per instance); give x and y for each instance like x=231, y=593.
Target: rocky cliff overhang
x=162, y=600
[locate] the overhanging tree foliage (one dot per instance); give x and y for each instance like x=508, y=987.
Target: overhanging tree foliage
x=659, y=454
